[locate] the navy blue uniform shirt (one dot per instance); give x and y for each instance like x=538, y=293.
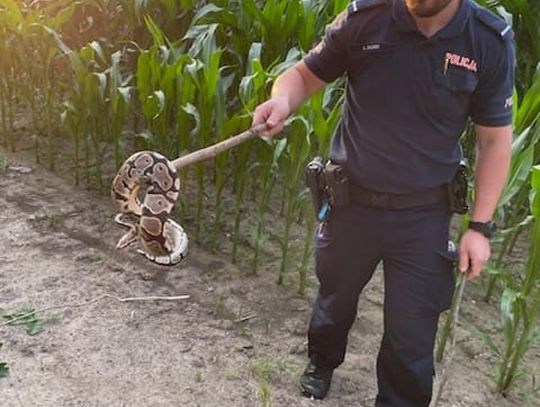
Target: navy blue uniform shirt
x=409, y=96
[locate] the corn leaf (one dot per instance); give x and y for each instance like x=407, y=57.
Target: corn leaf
x=11, y=14
x=485, y=338
x=535, y=183
x=519, y=173
x=509, y=299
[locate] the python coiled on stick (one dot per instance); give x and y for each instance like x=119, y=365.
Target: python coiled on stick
x=161, y=240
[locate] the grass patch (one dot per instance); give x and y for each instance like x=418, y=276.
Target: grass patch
x=264, y=369
x=4, y=368
x=27, y=318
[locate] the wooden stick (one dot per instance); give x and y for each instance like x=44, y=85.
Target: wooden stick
x=455, y=321
x=246, y=318
x=212, y=151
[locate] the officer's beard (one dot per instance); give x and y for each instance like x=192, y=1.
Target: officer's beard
x=426, y=8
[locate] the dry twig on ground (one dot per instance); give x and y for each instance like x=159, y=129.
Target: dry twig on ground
x=85, y=303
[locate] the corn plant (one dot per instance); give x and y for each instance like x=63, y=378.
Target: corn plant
x=277, y=25
x=292, y=165
x=524, y=16
x=251, y=91
x=188, y=121
x=323, y=111
x=6, y=92
x=94, y=107
x=516, y=219
x=212, y=86
x=120, y=94
x=263, y=173
x=10, y=19
x=241, y=170
x=229, y=126
x=96, y=110
x=512, y=208
x=268, y=155
x=33, y=82
x=173, y=16
x=45, y=58
x=156, y=84
x=520, y=305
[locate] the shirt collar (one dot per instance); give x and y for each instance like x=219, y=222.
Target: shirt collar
x=404, y=21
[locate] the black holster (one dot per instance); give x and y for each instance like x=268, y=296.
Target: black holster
x=327, y=183
x=337, y=184
x=315, y=181
x=457, y=190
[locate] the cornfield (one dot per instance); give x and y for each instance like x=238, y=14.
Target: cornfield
x=101, y=79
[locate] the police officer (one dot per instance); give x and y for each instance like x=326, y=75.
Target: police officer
x=416, y=71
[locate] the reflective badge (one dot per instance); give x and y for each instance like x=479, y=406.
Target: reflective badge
x=321, y=228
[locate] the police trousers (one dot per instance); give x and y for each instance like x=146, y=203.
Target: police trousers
x=418, y=285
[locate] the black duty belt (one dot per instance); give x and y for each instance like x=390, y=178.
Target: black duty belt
x=366, y=197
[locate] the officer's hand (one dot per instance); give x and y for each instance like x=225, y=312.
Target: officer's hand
x=474, y=252
x=272, y=112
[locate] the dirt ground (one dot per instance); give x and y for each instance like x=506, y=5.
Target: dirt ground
x=238, y=340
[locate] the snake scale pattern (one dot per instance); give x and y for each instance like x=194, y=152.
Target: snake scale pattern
x=161, y=240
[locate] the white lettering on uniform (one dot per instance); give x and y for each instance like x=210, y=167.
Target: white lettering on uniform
x=371, y=47
x=461, y=61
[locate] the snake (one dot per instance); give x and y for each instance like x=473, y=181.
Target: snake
x=161, y=240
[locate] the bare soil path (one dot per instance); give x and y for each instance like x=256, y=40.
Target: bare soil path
x=236, y=341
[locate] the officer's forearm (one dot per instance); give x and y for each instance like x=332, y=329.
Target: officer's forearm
x=492, y=164
x=297, y=84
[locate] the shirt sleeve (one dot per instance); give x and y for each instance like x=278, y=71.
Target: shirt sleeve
x=329, y=59
x=491, y=103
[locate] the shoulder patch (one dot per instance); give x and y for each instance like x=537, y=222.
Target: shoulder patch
x=358, y=5
x=497, y=24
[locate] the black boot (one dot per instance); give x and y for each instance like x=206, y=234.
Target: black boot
x=315, y=381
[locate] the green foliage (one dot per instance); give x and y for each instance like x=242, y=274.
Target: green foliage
x=519, y=306
x=264, y=369
x=100, y=79
x=26, y=317
x=4, y=368
x=513, y=211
